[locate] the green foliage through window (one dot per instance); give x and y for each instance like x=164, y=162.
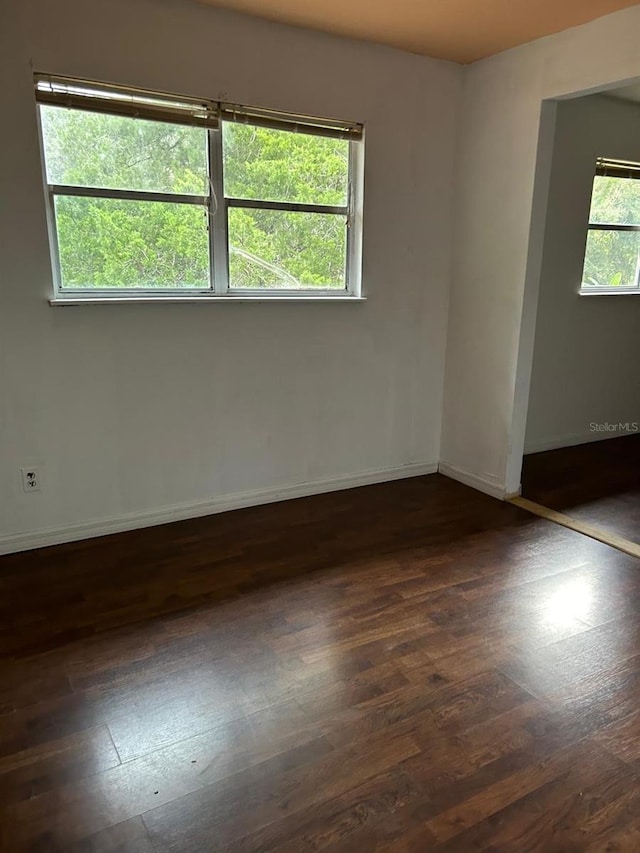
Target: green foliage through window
x=96, y=150
x=612, y=256
x=106, y=240
x=111, y=243
x=277, y=165
x=273, y=248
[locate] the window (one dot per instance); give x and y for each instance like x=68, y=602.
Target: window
x=158, y=195
x=612, y=255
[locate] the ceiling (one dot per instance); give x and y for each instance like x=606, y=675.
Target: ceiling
x=460, y=30
x=626, y=93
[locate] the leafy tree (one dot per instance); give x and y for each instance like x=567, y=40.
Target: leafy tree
x=123, y=243
x=276, y=165
x=612, y=257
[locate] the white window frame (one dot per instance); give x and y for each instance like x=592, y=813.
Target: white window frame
x=218, y=205
x=615, y=169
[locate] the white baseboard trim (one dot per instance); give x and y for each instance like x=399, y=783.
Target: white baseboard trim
x=133, y=521
x=487, y=484
x=571, y=441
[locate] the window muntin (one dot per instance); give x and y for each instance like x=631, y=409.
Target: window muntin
x=140, y=206
x=612, y=253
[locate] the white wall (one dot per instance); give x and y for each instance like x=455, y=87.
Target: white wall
x=144, y=413
x=585, y=367
x=490, y=338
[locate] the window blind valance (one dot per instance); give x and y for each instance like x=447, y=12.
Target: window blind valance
x=120, y=100
x=617, y=168
x=291, y=122
x=179, y=109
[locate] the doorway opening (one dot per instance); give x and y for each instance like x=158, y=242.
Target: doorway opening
x=581, y=413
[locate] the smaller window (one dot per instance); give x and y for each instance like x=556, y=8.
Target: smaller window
x=612, y=255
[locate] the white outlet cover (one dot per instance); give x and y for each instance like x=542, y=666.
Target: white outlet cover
x=31, y=479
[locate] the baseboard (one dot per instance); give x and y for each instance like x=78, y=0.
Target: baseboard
x=179, y=512
x=572, y=440
x=488, y=484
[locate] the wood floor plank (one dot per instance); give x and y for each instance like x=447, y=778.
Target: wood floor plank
x=622, y=738
x=77, y=810
x=343, y=822
x=394, y=669
x=570, y=802
x=131, y=835
x=601, y=534
x=596, y=483
x=29, y=773
x=252, y=801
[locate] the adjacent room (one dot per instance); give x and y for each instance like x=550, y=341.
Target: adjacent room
x=319, y=404
x=585, y=382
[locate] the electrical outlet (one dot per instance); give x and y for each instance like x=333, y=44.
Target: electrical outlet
x=31, y=480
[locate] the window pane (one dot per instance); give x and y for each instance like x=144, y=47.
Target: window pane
x=276, y=249
x=114, y=152
x=106, y=243
x=277, y=165
x=615, y=201
x=611, y=258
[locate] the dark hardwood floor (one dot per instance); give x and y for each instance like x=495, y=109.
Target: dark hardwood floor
x=597, y=482
x=406, y=667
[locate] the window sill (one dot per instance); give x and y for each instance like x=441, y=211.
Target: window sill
x=74, y=301
x=609, y=291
